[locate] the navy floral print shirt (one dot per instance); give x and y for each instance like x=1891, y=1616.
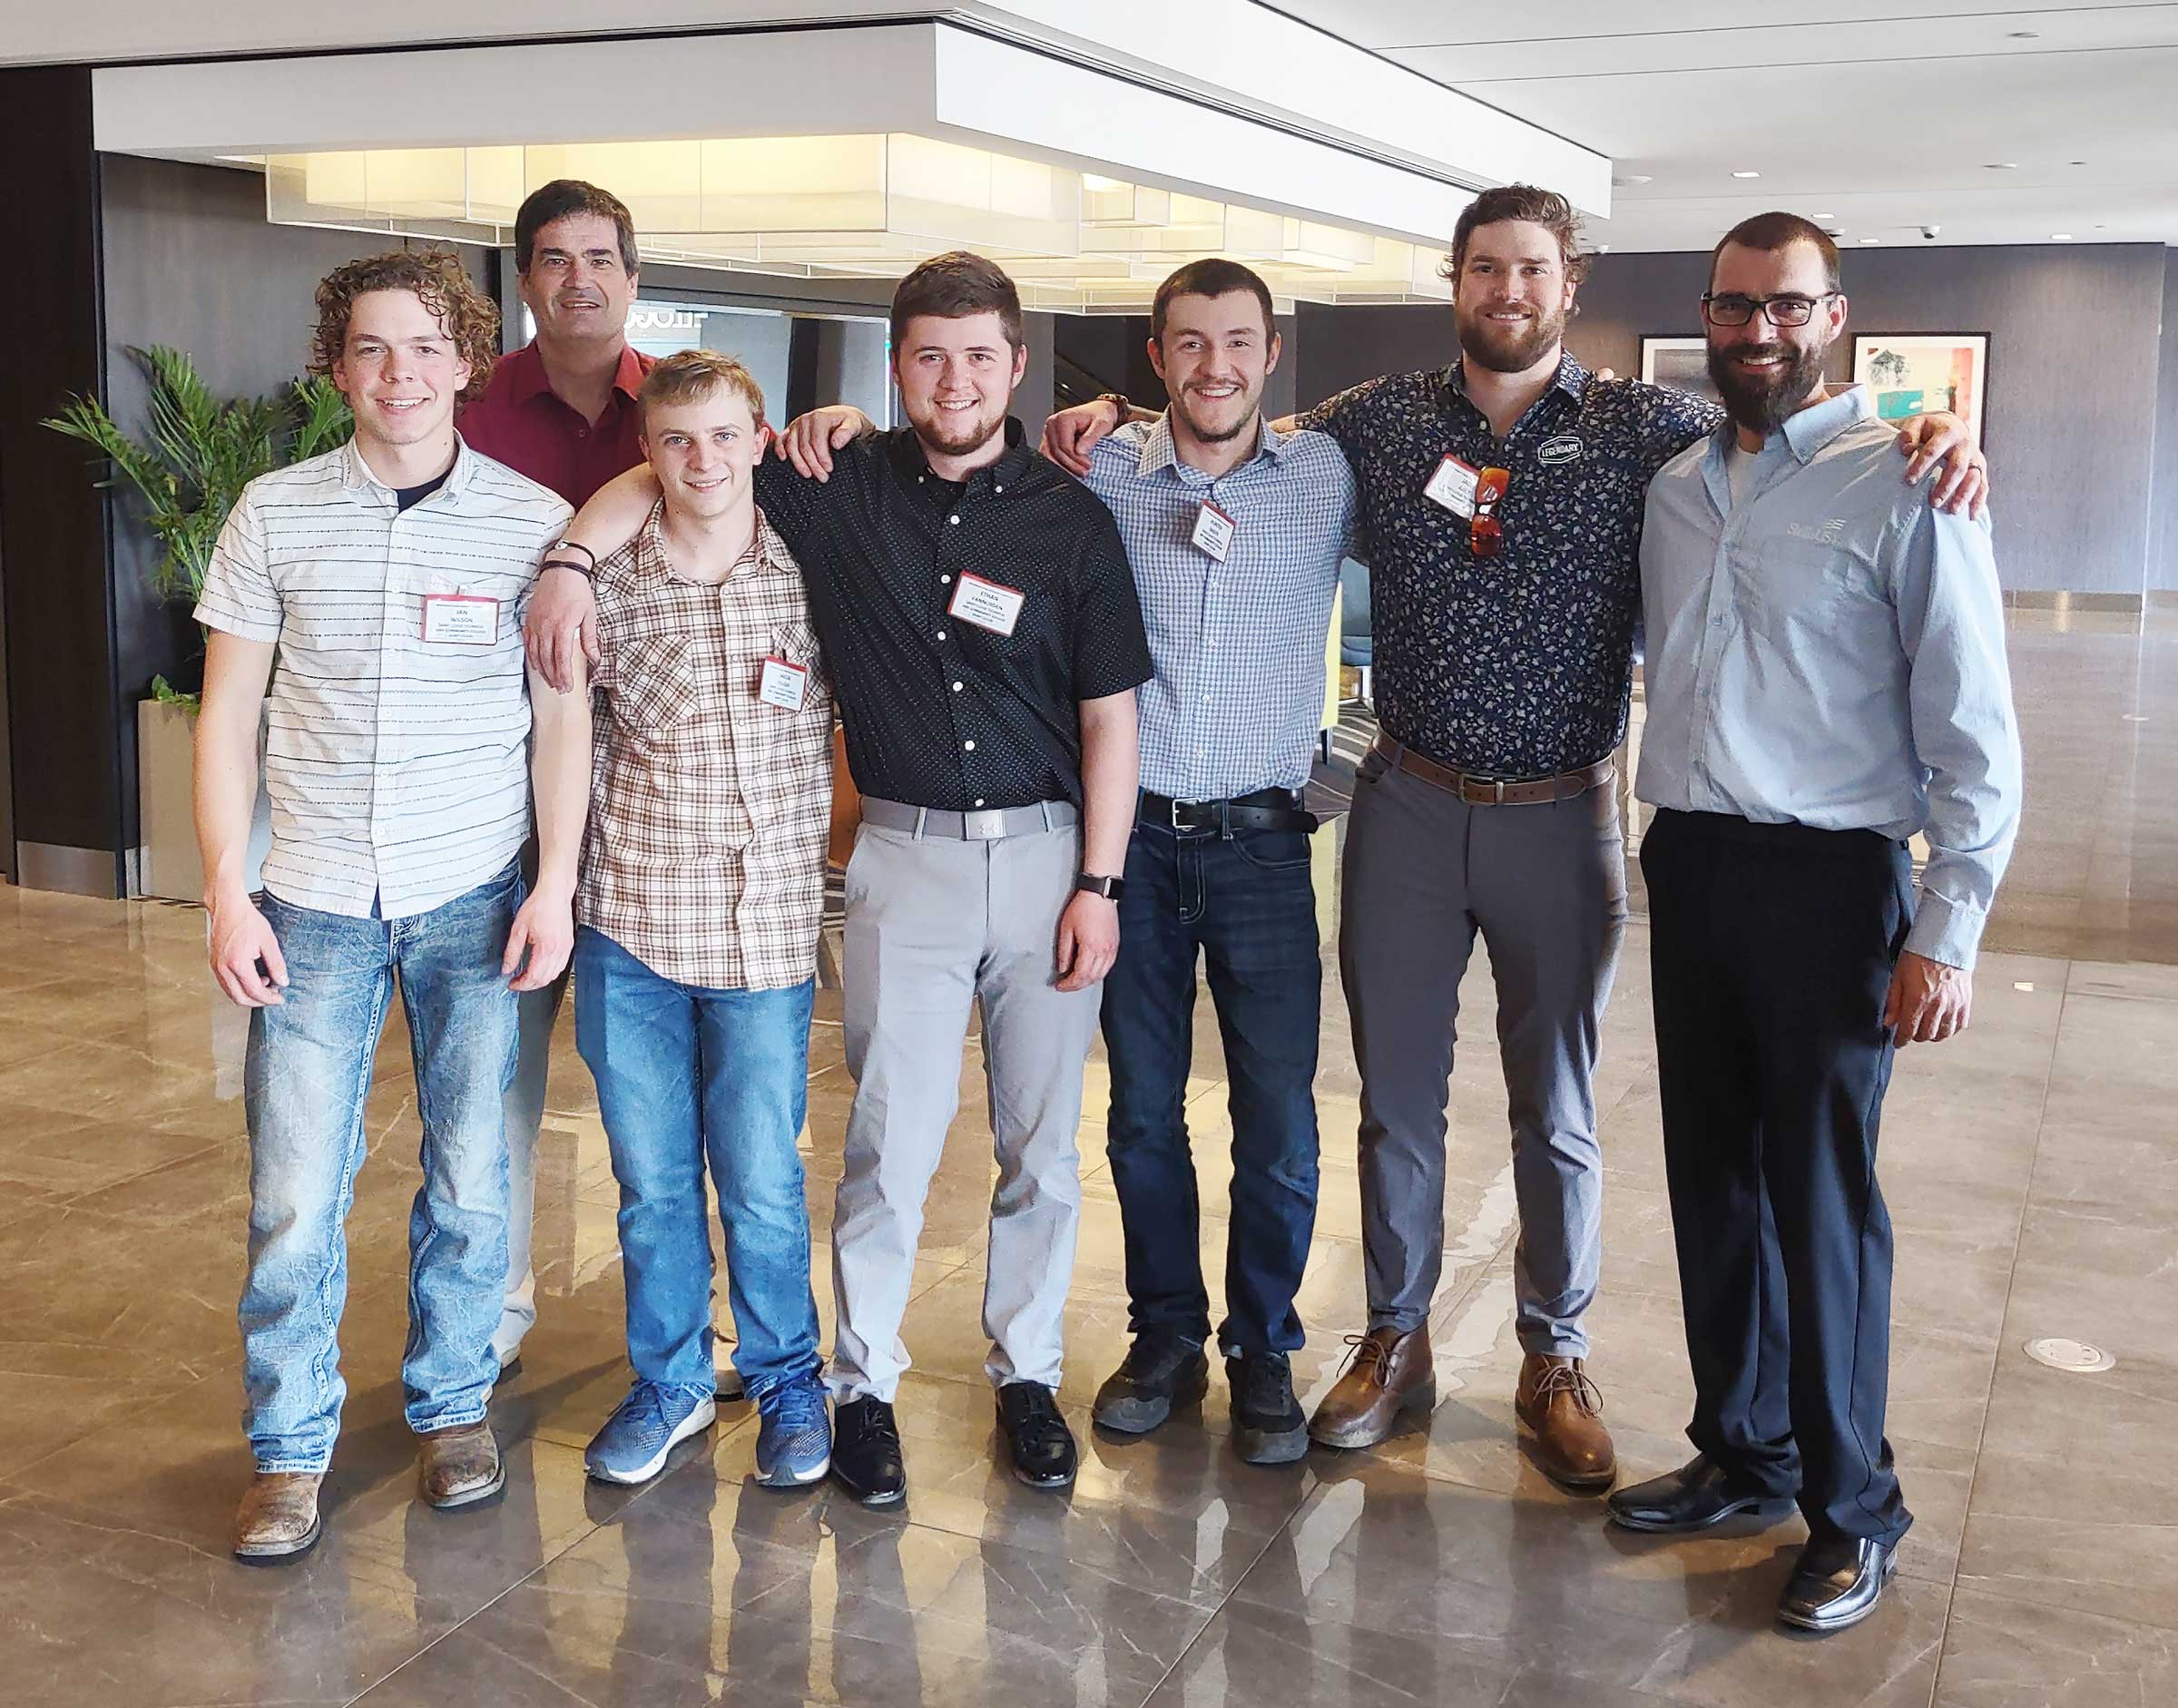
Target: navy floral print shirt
x=1518, y=665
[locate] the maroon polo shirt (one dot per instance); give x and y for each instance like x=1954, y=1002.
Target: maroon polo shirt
x=521, y=422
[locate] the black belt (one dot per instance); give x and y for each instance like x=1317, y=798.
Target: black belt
x=1265, y=810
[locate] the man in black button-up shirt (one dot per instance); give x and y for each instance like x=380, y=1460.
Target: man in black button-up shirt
x=980, y=624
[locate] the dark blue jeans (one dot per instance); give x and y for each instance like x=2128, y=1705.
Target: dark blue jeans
x=1246, y=904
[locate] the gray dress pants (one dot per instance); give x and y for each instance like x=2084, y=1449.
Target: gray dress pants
x=934, y=924
x=1545, y=886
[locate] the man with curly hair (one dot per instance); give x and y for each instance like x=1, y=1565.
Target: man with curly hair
x=389, y=575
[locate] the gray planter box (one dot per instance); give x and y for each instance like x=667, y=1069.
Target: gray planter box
x=168, y=866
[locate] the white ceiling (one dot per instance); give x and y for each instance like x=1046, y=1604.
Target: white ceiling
x=1885, y=113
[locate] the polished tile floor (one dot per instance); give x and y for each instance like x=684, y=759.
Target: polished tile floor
x=2032, y=1168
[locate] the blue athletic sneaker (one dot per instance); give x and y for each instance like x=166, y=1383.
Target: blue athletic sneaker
x=794, y=1441
x=633, y=1446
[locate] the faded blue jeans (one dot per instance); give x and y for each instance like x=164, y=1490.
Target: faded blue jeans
x=305, y=1081
x=690, y=1077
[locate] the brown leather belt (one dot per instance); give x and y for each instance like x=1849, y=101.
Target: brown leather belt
x=1494, y=791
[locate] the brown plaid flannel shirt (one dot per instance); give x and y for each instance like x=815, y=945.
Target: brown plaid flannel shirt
x=704, y=856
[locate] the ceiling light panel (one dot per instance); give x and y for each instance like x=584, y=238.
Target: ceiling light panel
x=858, y=205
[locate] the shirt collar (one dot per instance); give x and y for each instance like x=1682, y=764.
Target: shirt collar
x=523, y=373
x=1804, y=433
x=355, y=476
x=1159, y=451
x=1571, y=379
x=908, y=457
x=767, y=552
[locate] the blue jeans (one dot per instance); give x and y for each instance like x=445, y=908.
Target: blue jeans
x=1246, y=903
x=305, y=1080
x=687, y=1075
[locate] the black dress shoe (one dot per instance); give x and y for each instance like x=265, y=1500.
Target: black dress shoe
x=1160, y=1371
x=1269, y=1426
x=1837, y=1583
x=1037, y=1437
x=1699, y=1494
x=865, y=1452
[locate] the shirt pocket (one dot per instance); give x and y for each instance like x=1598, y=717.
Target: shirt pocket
x=1804, y=584
x=654, y=685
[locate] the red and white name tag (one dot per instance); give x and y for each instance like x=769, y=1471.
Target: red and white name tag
x=460, y=619
x=1453, y=485
x=783, y=684
x=1214, y=531
x=988, y=604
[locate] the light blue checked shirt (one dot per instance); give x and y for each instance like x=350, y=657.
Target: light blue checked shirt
x=1829, y=651
x=1237, y=698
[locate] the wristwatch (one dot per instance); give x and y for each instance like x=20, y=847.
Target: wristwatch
x=1110, y=888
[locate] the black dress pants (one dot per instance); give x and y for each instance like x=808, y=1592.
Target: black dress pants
x=1771, y=949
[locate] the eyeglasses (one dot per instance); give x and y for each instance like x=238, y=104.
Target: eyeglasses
x=1486, y=534
x=1787, y=310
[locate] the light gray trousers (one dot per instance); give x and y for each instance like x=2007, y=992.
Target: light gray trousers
x=933, y=926
x=1545, y=886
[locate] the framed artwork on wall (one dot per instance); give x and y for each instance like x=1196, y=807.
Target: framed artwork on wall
x=1680, y=363
x=1911, y=374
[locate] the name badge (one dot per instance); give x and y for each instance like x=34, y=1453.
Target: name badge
x=783, y=684
x=1453, y=485
x=988, y=604
x=460, y=619
x=1214, y=531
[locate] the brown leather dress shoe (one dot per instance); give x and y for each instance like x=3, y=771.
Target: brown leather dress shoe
x=1388, y=1373
x=460, y=1466
x=1556, y=1400
x=278, y=1518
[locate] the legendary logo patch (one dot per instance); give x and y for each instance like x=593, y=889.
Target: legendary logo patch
x=1565, y=448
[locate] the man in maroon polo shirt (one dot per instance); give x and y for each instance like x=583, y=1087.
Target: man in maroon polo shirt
x=560, y=411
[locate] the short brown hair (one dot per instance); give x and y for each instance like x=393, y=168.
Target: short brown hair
x=954, y=286
x=1213, y=276
x=1770, y=232
x=687, y=376
x=556, y=200
x=1506, y=202
x=440, y=283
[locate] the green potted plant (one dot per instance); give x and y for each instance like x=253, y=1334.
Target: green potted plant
x=188, y=467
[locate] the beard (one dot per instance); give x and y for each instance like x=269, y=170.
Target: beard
x=1758, y=404
x=1207, y=435
x=957, y=434
x=1510, y=349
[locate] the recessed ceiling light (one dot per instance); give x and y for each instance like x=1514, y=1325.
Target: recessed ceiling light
x=1746, y=174
x=2001, y=166
x=1627, y=180
x=1871, y=240
x=2060, y=237
x=1820, y=217
x=2027, y=35
x=2075, y=163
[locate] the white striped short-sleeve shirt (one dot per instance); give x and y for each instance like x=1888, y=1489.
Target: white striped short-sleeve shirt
x=397, y=766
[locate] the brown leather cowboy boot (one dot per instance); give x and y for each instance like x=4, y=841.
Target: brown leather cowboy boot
x=1557, y=1401
x=461, y=1466
x=278, y=1518
x=1388, y=1373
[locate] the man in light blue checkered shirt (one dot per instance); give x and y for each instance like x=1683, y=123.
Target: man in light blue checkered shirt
x=1235, y=532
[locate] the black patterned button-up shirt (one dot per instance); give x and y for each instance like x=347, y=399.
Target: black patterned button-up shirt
x=941, y=711
x=1518, y=665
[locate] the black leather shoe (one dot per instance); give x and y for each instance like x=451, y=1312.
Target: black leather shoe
x=1036, y=1437
x=865, y=1452
x=1699, y=1494
x=1160, y=1371
x=1269, y=1426
x=1837, y=1583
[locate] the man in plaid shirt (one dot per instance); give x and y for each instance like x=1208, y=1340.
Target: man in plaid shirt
x=697, y=916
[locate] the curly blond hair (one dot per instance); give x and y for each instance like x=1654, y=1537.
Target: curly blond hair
x=440, y=283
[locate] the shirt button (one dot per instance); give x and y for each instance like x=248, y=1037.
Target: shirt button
x=954, y=518
x=941, y=635
x=944, y=578
x=969, y=747
x=956, y=687
x=980, y=800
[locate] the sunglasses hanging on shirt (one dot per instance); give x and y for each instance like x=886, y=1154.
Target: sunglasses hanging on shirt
x=1486, y=534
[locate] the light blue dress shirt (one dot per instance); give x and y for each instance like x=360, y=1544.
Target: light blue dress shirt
x=1831, y=651
x=1238, y=646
